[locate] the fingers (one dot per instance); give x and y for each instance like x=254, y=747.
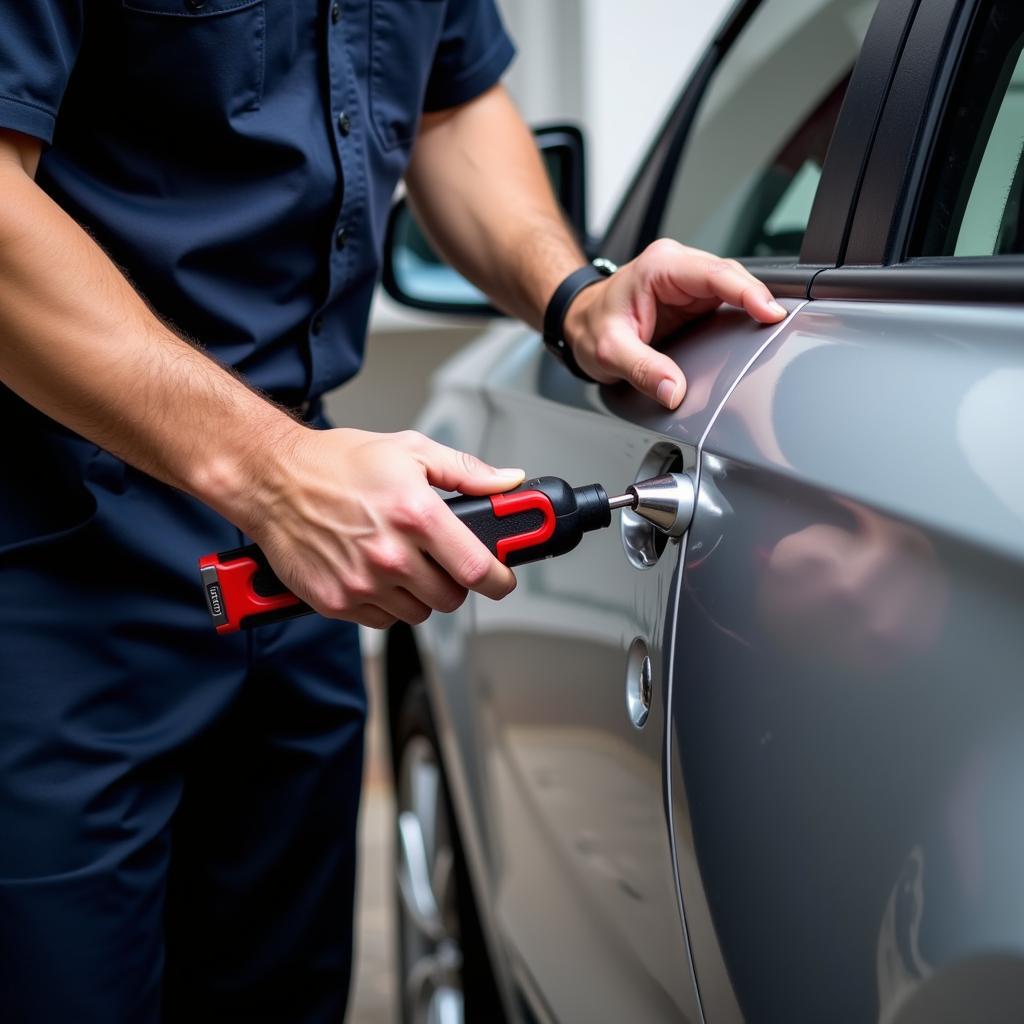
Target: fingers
x=391, y=605
x=434, y=587
x=679, y=274
x=397, y=603
x=452, y=470
x=458, y=561
x=400, y=604
x=622, y=354
x=466, y=560
x=401, y=579
x=451, y=544
x=456, y=550
x=369, y=615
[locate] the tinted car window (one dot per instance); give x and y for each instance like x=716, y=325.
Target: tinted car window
x=973, y=204
x=747, y=179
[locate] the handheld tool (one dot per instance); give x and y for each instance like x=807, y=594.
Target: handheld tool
x=542, y=518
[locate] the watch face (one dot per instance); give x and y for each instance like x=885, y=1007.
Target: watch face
x=605, y=266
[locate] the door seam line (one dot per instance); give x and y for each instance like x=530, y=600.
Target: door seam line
x=680, y=907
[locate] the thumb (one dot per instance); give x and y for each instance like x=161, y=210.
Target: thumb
x=651, y=372
x=453, y=470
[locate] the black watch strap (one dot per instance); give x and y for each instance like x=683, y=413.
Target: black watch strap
x=558, y=307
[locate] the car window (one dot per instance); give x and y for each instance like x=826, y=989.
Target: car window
x=972, y=206
x=751, y=166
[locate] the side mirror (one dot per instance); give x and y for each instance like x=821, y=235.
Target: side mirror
x=416, y=276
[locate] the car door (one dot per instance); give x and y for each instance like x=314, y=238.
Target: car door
x=583, y=886
x=848, y=716
x=584, y=879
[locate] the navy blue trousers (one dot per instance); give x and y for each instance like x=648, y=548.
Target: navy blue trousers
x=177, y=809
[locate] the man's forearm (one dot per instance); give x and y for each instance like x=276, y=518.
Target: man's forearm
x=480, y=191
x=77, y=342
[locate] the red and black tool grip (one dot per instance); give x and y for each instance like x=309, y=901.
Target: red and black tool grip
x=542, y=518
x=515, y=527
x=242, y=590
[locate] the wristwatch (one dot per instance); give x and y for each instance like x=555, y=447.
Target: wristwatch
x=558, y=307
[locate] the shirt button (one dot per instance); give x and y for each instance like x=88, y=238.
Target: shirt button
x=318, y=324
x=335, y=13
x=344, y=123
x=195, y=5
x=340, y=238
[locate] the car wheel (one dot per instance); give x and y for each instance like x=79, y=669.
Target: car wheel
x=443, y=976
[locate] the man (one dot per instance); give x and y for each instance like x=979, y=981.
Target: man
x=177, y=810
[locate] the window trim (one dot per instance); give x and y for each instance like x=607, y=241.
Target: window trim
x=962, y=279
x=786, y=280
x=932, y=180
x=907, y=131
x=842, y=174
x=875, y=267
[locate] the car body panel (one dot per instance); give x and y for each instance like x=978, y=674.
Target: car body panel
x=533, y=689
x=847, y=712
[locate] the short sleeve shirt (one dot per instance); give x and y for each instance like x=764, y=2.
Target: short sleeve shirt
x=237, y=158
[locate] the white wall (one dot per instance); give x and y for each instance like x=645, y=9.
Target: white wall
x=613, y=67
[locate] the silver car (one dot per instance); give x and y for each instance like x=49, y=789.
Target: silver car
x=772, y=770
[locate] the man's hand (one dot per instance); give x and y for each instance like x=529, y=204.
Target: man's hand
x=611, y=325
x=479, y=188
x=351, y=524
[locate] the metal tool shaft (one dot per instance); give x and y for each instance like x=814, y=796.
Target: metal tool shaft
x=622, y=501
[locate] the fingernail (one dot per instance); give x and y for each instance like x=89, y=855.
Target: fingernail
x=511, y=474
x=776, y=308
x=666, y=389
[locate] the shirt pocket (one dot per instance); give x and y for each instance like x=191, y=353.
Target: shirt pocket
x=203, y=58
x=404, y=35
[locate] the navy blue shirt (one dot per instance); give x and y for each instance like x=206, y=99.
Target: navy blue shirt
x=238, y=157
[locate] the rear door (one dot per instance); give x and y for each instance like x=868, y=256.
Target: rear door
x=847, y=698
x=575, y=790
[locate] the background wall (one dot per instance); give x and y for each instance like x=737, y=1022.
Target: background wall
x=613, y=68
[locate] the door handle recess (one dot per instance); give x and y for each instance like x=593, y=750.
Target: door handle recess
x=665, y=499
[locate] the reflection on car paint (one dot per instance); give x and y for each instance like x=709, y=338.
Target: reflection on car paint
x=866, y=594
x=854, y=650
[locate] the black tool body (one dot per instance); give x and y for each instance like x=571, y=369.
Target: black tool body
x=542, y=518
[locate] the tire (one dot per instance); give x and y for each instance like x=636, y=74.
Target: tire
x=444, y=976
